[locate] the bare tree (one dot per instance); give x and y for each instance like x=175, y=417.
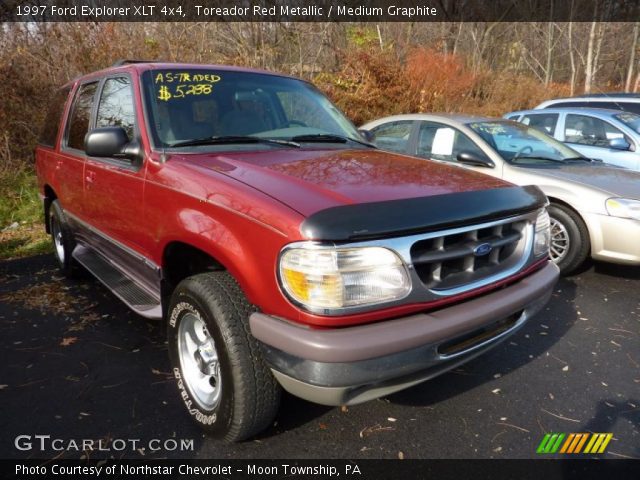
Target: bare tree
x=632, y=57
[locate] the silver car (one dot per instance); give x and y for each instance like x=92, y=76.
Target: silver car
x=608, y=135
x=595, y=208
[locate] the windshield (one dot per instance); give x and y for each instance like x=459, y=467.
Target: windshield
x=631, y=120
x=518, y=143
x=238, y=110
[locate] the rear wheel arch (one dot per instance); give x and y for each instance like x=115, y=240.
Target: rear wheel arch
x=49, y=197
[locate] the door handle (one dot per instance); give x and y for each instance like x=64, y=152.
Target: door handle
x=90, y=177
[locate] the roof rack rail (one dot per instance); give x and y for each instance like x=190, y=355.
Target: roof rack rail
x=119, y=63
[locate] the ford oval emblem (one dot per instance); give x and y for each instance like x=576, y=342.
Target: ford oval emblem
x=482, y=249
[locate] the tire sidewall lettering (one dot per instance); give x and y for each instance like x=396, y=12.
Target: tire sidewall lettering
x=201, y=417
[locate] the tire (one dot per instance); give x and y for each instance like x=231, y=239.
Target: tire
x=62, y=240
x=570, y=244
x=223, y=379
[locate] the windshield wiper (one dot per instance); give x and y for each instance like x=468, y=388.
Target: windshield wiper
x=229, y=139
x=577, y=159
x=328, y=138
x=537, y=158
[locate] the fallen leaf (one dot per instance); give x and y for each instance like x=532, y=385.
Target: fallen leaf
x=565, y=368
x=496, y=391
x=66, y=341
x=372, y=429
x=344, y=409
x=400, y=455
x=391, y=419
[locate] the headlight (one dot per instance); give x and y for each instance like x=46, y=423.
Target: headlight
x=332, y=278
x=542, y=237
x=623, y=208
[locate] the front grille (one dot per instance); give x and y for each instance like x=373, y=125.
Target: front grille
x=457, y=259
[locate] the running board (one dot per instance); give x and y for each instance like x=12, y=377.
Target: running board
x=140, y=300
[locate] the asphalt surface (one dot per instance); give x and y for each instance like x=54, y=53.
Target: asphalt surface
x=77, y=365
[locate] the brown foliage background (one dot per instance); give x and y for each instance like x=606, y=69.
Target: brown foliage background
x=367, y=72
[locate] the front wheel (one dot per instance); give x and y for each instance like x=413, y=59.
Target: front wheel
x=223, y=380
x=570, y=243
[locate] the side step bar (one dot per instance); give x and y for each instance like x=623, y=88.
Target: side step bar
x=140, y=300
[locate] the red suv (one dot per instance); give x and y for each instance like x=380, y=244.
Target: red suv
x=280, y=248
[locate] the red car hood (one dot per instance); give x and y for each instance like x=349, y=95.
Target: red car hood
x=312, y=180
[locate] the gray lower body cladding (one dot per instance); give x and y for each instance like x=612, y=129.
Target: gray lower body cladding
x=356, y=364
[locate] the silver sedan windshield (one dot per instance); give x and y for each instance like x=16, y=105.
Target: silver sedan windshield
x=518, y=143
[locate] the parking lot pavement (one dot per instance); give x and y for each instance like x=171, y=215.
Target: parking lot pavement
x=77, y=365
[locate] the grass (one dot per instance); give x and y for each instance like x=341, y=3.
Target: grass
x=20, y=204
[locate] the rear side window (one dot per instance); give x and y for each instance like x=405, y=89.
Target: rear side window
x=545, y=122
x=49, y=132
x=393, y=136
x=116, y=105
x=81, y=115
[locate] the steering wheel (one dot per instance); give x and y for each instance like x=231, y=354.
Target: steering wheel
x=523, y=150
x=297, y=122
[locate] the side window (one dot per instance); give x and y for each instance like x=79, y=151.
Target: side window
x=545, y=122
x=49, y=132
x=513, y=117
x=116, y=105
x=441, y=142
x=81, y=115
x=393, y=136
x=585, y=130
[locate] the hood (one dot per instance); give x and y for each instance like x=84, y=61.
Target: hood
x=618, y=182
x=312, y=180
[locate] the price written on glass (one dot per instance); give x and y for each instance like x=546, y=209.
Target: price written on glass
x=176, y=85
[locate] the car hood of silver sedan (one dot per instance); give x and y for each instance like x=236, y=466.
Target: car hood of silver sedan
x=618, y=182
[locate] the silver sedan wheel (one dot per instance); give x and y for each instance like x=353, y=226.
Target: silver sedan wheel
x=58, y=240
x=560, y=241
x=199, y=361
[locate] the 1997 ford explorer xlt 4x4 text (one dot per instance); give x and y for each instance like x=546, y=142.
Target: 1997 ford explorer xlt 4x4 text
x=281, y=249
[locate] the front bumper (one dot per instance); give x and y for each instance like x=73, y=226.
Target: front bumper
x=614, y=239
x=355, y=364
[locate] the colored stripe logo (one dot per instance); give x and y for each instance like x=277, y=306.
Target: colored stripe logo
x=574, y=443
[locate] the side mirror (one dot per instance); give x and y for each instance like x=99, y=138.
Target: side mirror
x=367, y=135
x=619, y=144
x=475, y=159
x=111, y=142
